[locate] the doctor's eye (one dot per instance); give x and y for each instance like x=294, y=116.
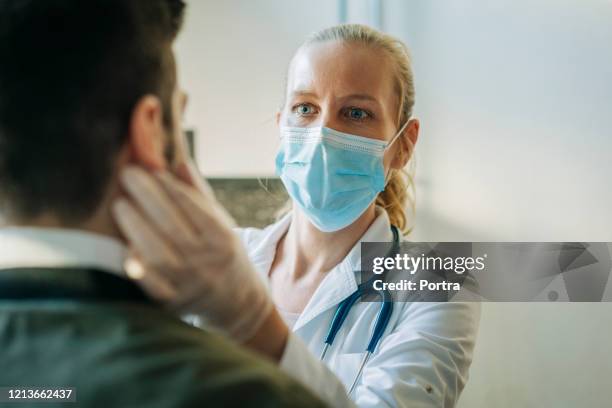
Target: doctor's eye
x=303, y=109
x=357, y=114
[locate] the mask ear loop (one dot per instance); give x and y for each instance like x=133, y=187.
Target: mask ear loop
x=397, y=135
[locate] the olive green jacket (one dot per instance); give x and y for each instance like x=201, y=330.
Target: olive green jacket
x=99, y=334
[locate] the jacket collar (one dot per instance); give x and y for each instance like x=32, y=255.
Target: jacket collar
x=55, y=263
x=80, y=284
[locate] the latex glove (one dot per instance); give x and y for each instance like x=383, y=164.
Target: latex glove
x=185, y=253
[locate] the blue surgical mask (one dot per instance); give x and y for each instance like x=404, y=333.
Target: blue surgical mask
x=333, y=177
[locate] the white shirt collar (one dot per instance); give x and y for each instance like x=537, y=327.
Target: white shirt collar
x=56, y=247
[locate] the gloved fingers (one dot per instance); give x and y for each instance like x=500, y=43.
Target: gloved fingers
x=146, y=192
x=203, y=211
x=187, y=172
x=143, y=238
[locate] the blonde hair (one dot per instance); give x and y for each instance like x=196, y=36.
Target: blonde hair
x=400, y=192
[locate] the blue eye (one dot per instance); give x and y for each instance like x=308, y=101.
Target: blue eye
x=303, y=109
x=357, y=114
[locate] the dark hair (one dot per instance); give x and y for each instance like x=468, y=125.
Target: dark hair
x=71, y=73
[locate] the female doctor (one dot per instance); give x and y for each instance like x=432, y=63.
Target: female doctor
x=346, y=133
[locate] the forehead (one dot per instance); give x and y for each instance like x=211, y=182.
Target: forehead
x=341, y=69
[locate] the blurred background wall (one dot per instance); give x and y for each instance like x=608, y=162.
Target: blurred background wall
x=515, y=100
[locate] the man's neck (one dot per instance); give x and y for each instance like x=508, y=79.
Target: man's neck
x=100, y=223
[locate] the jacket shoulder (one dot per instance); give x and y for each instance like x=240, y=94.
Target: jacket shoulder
x=137, y=356
x=220, y=372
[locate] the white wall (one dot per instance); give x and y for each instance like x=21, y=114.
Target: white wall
x=233, y=56
x=542, y=355
x=515, y=98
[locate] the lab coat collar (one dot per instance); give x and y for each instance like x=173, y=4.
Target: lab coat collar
x=340, y=282
x=262, y=252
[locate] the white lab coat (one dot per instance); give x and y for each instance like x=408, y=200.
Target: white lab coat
x=421, y=361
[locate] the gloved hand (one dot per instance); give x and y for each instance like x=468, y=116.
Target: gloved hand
x=185, y=254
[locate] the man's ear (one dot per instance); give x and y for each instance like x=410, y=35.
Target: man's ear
x=407, y=143
x=147, y=136
x=278, y=117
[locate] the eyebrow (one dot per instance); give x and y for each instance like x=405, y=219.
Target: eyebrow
x=364, y=97
x=302, y=93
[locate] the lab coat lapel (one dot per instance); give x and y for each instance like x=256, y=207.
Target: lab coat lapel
x=262, y=253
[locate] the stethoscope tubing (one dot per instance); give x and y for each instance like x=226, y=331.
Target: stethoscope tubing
x=382, y=320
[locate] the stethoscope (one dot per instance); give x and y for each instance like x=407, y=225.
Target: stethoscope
x=382, y=321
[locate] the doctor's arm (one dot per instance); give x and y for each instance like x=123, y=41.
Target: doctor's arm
x=422, y=363
x=186, y=255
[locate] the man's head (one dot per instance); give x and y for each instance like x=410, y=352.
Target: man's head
x=84, y=87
